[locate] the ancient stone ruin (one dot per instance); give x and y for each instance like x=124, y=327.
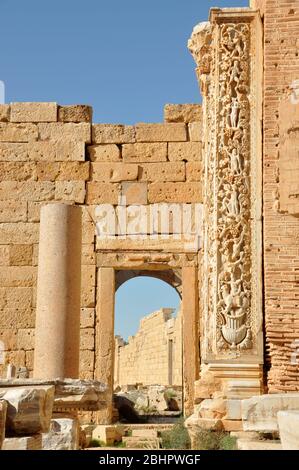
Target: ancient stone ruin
x=206, y=201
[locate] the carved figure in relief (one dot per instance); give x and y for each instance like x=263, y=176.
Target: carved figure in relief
x=234, y=207
x=237, y=247
x=235, y=162
x=234, y=113
x=229, y=242
x=235, y=74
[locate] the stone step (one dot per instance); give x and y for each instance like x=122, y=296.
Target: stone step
x=253, y=444
x=247, y=435
x=141, y=443
x=23, y=443
x=145, y=433
x=157, y=426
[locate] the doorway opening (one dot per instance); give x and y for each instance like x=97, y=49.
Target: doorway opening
x=148, y=354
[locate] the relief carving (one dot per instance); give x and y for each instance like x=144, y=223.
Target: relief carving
x=233, y=189
x=227, y=92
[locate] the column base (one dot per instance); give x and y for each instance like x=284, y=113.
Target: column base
x=229, y=381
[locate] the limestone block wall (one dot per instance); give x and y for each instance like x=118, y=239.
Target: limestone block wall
x=154, y=354
x=52, y=153
x=281, y=206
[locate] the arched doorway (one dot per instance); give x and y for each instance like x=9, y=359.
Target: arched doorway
x=184, y=278
x=148, y=365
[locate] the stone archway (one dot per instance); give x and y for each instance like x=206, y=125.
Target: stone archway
x=184, y=278
x=173, y=277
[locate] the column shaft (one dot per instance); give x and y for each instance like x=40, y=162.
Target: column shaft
x=57, y=331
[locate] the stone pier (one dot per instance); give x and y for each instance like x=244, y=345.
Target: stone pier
x=58, y=293
x=228, y=52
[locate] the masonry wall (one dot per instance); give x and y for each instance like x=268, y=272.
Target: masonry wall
x=154, y=354
x=281, y=191
x=52, y=153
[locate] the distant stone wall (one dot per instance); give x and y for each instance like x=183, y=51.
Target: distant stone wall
x=154, y=354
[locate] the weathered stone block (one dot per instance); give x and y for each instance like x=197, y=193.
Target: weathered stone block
x=88, y=252
x=15, y=297
x=69, y=131
x=70, y=191
x=231, y=425
x=10, y=132
x=174, y=192
x=21, y=233
x=104, y=153
x=102, y=193
x=145, y=152
x=195, y=131
x=70, y=151
x=66, y=171
x=138, y=443
x=33, y=112
x=87, y=296
x=184, y=151
x=174, y=132
x=87, y=318
x=212, y=408
x=288, y=423
x=29, y=358
x=87, y=339
x=29, y=409
x=20, y=255
x=63, y=435
x=89, y=231
x=26, y=190
x=134, y=193
x=13, y=211
x=87, y=360
x=112, y=134
x=195, y=424
x=182, y=112
x=193, y=171
x=259, y=413
x=162, y=172
x=88, y=275
x=145, y=433
x=250, y=444
x=17, y=318
x=10, y=152
x=114, y=172
x=4, y=112
x=75, y=113
x=107, y=433
x=9, y=339
x=59, y=151
x=33, y=212
x=17, y=171
x=3, y=410
x=15, y=276
x=233, y=409
x=4, y=255
x=23, y=443
x=26, y=338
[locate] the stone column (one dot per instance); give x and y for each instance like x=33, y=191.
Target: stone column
x=190, y=335
x=228, y=54
x=105, y=342
x=57, y=330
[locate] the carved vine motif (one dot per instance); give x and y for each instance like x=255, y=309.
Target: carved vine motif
x=232, y=237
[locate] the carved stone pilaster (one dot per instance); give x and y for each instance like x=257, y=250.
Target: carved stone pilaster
x=228, y=54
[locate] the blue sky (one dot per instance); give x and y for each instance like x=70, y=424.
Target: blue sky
x=125, y=58
x=139, y=297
